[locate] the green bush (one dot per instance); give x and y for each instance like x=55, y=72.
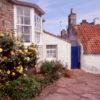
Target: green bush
x=47, y=67
x=58, y=67
x=52, y=69
x=24, y=88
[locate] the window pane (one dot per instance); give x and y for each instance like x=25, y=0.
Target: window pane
x=51, y=51
x=19, y=11
x=20, y=20
x=51, y=46
x=26, y=38
x=37, y=22
x=26, y=29
x=27, y=20
x=37, y=37
x=35, y=18
x=19, y=29
x=26, y=12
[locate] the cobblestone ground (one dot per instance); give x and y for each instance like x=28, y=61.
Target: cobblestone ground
x=82, y=87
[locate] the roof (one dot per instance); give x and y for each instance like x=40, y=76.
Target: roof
x=27, y=4
x=89, y=35
x=55, y=36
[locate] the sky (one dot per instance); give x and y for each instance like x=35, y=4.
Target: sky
x=57, y=11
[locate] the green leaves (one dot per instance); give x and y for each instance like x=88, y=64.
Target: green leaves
x=24, y=88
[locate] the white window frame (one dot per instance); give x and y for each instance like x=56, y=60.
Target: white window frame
x=51, y=51
x=37, y=20
x=37, y=37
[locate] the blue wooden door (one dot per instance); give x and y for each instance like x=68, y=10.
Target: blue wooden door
x=75, y=57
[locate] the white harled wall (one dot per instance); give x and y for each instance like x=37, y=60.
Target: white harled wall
x=90, y=63
x=63, y=49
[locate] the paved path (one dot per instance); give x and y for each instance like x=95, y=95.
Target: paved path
x=82, y=87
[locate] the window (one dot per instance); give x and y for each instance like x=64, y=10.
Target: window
x=51, y=51
x=24, y=23
x=37, y=37
x=40, y=50
x=37, y=22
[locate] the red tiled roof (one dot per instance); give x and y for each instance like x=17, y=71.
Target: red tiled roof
x=89, y=35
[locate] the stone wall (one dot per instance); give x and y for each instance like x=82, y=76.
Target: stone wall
x=6, y=16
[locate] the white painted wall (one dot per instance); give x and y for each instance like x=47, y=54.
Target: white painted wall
x=63, y=49
x=90, y=63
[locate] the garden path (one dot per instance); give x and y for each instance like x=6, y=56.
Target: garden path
x=84, y=86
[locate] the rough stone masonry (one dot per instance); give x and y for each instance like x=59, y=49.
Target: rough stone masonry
x=6, y=16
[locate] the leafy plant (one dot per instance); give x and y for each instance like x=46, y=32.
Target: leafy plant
x=47, y=67
x=51, y=70
x=24, y=88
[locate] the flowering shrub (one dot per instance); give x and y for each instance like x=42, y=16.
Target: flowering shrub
x=15, y=58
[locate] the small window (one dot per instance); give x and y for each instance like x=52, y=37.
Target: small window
x=37, y=37
x=51, y=51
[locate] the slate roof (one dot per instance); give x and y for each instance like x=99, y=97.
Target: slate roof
x=51, y=34
x=89, y=35
x=27, y=4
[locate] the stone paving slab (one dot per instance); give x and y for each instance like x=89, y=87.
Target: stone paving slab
x=82, y=87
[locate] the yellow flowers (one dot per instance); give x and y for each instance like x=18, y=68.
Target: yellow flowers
x=1, y=49
x=20, y=51
x=27, y=59
x=12, y=53
x=13, y=73
x=0, y=71
x=19, y=69
x=8, y=72
x=1, y=35
x=4, y=58
x=25, y=50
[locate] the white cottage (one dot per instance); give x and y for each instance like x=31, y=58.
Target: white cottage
x=28, y=25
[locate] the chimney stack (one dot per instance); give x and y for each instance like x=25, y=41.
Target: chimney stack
x=84, y=21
